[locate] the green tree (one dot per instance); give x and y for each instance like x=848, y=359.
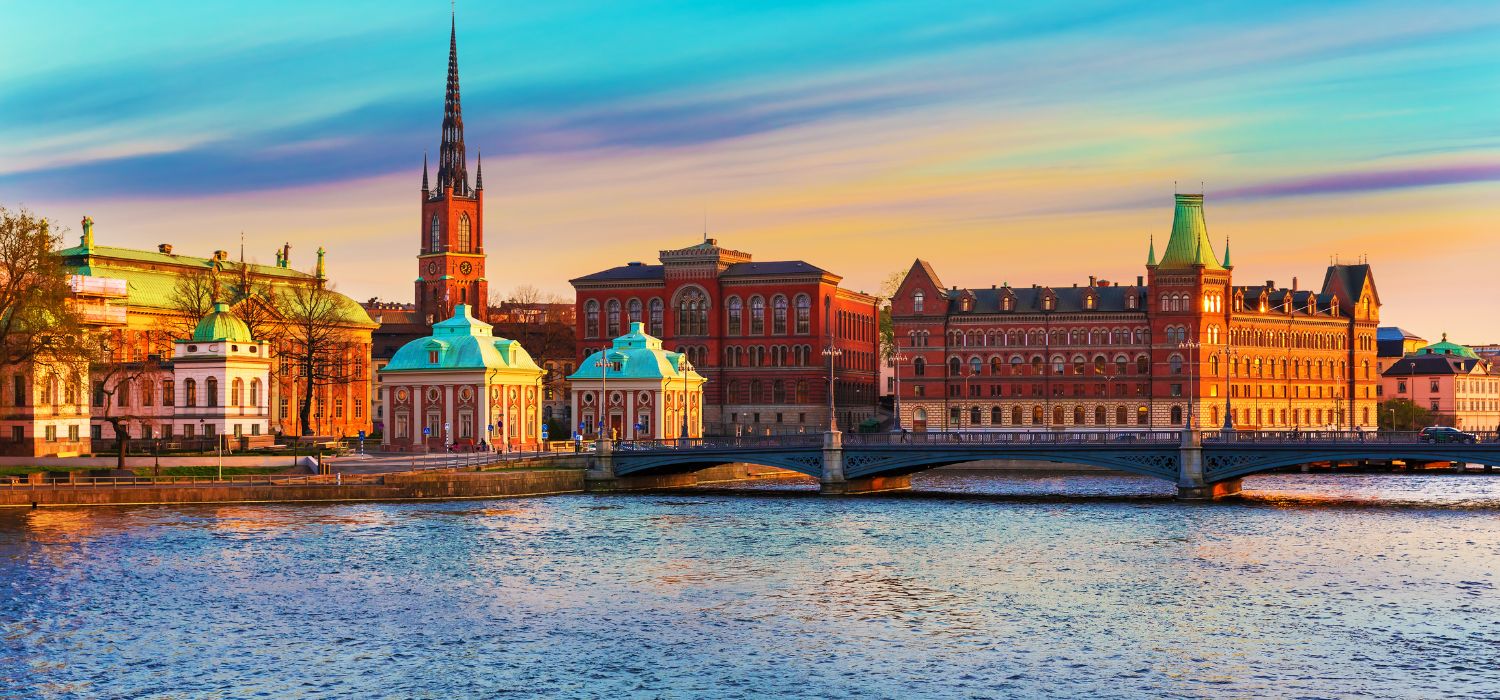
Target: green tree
x=39, y=326
x=1407, y=415
x=888, y=287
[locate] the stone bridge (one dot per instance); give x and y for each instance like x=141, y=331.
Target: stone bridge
x=1203, y=464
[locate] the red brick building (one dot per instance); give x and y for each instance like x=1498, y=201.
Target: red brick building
x=1181, y=343
x=755, y=330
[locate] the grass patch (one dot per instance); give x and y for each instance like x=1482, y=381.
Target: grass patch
x=23, y=470
x=210, y=470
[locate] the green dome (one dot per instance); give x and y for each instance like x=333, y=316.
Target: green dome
x=1446, y=348
x=221, y=324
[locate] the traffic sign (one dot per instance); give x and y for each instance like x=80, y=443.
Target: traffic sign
x=426, y=430
x=361, y=434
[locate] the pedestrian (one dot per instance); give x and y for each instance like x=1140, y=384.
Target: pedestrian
x=905, y=439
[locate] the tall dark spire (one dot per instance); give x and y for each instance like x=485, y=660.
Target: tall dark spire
x=424, y=171
x=452, y=171
x=479, y=171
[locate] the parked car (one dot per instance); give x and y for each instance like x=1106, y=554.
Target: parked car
x=1436, y=434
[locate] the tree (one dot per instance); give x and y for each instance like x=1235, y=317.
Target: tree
x=114, y=377
x=318, y=350
x=191, y=298
x=888, y=289
x=38, y=323
x=1407, y=415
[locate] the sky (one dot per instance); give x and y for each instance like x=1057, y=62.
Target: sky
x=1003, y=142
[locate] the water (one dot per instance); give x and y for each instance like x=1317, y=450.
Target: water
x=978, y=586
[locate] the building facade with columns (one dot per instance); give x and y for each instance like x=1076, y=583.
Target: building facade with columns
x=636, y=390
x=463, y=385
x=756, y=330
x=1181, y=343
x=220, y=383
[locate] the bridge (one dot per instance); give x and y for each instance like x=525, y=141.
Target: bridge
x=1203, y=464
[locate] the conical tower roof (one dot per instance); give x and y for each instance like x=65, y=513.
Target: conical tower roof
x=1189, y=244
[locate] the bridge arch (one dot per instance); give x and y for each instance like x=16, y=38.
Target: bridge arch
x=1221, y=464
x=859, y=462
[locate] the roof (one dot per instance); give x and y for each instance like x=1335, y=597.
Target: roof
x=638, y=356
x=777, y=267
x=1349, y=280
x=151, y=277
x=1029, y=299
x=221, y=324
x=1421, y=365
x=462, y=343
x=1189, y=244
x=1395, y=333
x=1443, y=347
x=633, y=271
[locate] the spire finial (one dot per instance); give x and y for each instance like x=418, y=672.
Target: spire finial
x=479, y=171
x=424, y=171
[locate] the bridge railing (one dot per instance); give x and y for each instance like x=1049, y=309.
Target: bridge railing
x=1299, y=437
x=727, y=442
x=1072, y=438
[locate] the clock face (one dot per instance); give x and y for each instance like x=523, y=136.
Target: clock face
x=432, y=267
x=466, y=267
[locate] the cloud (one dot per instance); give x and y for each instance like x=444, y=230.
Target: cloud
x=1356, y=182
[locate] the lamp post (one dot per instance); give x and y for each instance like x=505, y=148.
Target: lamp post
x=831, y=352
x=967, y=397
x=1190, y=346
x=898, y=358
x=606, y=362
x=685, y=366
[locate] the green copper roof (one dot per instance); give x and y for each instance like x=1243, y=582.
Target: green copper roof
x=1150, y=254
x=221, y=324
x=1444, y=347
x=1189, y=244
x=637, y=356
x=462, y=343
x=151, y=277
x=1226, y=253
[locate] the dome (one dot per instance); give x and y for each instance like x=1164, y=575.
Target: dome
x=638, y=356
x=461, y=343
x=221, y=324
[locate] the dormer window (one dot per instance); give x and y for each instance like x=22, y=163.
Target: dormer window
x=917, y=300
x=1007, y=303
x=1088, y=301
x=1047, y=303
x=1130, y=302
x=432, y=357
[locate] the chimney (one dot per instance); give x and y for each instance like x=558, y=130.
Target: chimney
x=164, y=248
x=1140, y=281
x=1294, y=284
x=1093, y=281
x=1270, y=284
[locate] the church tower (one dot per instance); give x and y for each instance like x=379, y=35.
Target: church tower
x=450, y=266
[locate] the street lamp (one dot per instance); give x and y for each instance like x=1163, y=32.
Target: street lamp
x=831, y=352
x=967, y=397
x=1231, y=357
x=685, y=366
x=1190, y=346
x=606, y=362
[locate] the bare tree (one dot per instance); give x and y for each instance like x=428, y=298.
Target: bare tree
x=888, y=288
x=38, y=325
x=191, y=298
x=120, y=390
x=319, y=350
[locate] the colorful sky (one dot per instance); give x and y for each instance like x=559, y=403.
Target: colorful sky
x=1004, y=142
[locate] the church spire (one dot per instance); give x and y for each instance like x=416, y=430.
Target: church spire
x=424, y=171
x=452, y=171
x=479, y=171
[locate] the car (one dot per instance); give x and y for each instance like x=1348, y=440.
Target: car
x=1437, y=434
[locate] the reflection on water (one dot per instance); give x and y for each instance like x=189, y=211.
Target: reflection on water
x=975, y=585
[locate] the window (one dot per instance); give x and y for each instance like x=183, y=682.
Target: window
x=975, y=364
x=432, y=357
x=1175, y=362
x=98, y=393
x=692, y=313
x=190, y=389
x=917, y=301
x=237, y=392
x=804, y=314
x=736, y=316
x=1176, y=415
x=591, y=319
x=463, y=233
x=255, y=392
x=919, y=367
x=634, y=314
x=778, y=315
x=433, y=236
x=612, y=317
x=656, y=318
x=168, y=393
x=757, y=316
x=147, y=393
x=211, y=387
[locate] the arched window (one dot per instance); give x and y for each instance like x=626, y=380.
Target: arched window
x=918, y=367
x=1058, y=416
x=657, y=328
x=1015, y=415
x=612, y=317
x=1101, y=416
x=1176, y=415
x=955, y=367
x=190, y=392
x=973, y=415
x=237, y=392
x=757, y=316
x=804, y=314
x=995, y=415
x=1121, y=415
x=1037, y=417
x=463, y=234
x=1142, y=365
x=1175, y=363
x=591, y=319
x=1213, y=365
x=917, y=301
x=778, y=315
x=634, y=314
x=995, y=365
x=736, y=315
x=434, y=236
x=975, y=365
x=692, y=313
x=255, y=392
x=211, y=388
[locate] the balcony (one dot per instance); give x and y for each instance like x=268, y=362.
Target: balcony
x=85, y=285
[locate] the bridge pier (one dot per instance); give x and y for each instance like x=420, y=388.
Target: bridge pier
x=601, y=471
x=834, y=483
x=1191, y=484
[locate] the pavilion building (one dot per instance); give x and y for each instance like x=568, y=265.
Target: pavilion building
x=462, y=385
x=638, y=391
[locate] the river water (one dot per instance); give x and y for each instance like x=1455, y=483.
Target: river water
x=974, y=586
